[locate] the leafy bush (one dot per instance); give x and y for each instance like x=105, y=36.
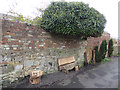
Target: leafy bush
x=100, y=54
x=96, y=54
x=110, y=47
x=72, y=19
x=103, y=49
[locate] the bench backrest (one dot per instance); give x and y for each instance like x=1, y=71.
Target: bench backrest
x=67, y=60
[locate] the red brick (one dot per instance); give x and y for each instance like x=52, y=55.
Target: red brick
x=12, y=34
x=3, y=62
x=17, y=50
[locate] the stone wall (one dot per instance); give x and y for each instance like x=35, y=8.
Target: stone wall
x=28, y=47
x=116, y=49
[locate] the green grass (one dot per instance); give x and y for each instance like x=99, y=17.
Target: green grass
x=118, y=54
x=105, y=60
x=90, y=62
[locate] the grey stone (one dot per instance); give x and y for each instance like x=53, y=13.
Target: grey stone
x=36, y=63
x=7, y=69
x=18, y=68
x=1, y=58
x=5, y=58
x=28, y=63
x=19, y=58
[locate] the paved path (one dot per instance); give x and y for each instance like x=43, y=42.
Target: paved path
x=103, y=76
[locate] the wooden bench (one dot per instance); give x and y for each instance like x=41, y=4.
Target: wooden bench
x=67, y=63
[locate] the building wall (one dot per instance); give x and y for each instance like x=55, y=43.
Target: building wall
x=24, y=48
x=27, y=47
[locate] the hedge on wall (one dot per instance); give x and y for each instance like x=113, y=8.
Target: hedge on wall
x=73, y=18
x=110, y=47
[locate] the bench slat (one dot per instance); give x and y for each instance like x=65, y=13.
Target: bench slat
x=66, y=60
x=67, y=66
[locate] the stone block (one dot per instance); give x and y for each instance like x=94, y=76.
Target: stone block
x=28, y=63
x=1, y=58
x=36, y=63
x=7, y=69
x=21, y=73
x=18, y=67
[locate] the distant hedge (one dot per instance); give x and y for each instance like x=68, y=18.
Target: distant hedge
x=73, y=18
x=110, y=47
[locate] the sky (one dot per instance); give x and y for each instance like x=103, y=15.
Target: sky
x=109, y=8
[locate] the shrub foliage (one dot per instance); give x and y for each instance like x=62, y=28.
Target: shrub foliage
x=103, y=49
x=110, y=47
x=72, y=19
x=96, y=54
x=100, y=54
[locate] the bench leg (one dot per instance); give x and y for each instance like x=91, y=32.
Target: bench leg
x=76, y=68
x=34, y=80
x=65, y=71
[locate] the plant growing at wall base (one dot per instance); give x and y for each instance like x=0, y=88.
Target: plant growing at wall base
x=105, y=60
x=91, y=62
x=110, y=48
x=117, y=55
x=72, y=19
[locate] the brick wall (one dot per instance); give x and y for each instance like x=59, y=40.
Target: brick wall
x=92, y=42
x=19, y=36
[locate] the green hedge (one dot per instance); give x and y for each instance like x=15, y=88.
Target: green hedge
x=96, y=54
x=103, y=49
x=110, y=47
x=73, y=19
x=100, y=54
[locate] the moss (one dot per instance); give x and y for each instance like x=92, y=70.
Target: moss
x=81, y=65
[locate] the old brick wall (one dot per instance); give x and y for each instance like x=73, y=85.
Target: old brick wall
x=28, y=47
x=92, y=42
x=25, y=48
